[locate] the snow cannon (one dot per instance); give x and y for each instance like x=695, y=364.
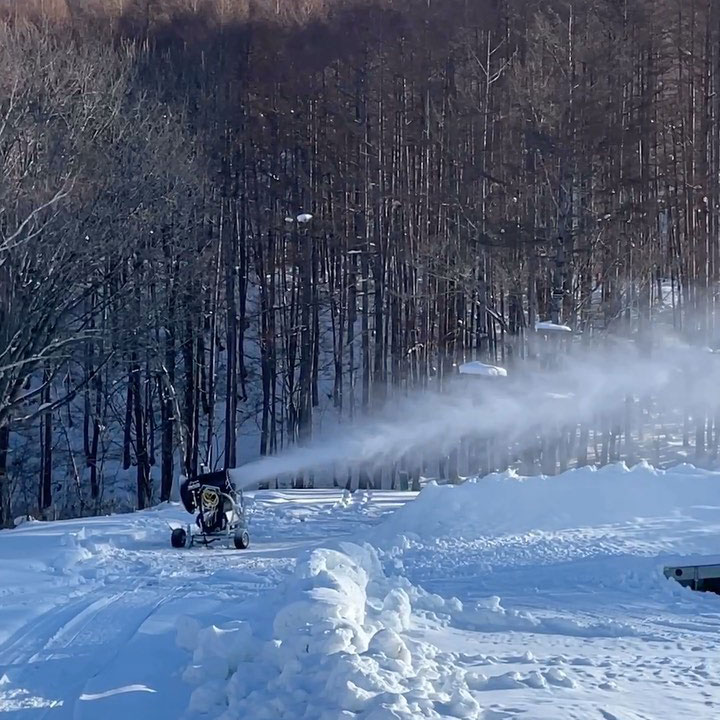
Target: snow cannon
x=219, y=511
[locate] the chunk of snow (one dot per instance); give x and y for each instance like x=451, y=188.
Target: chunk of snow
x=188, y=630
x=304, y=218
x=555, y=676
x=389, y=643
x=396, y=610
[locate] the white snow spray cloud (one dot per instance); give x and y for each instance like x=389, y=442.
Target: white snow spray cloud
x=590, y=383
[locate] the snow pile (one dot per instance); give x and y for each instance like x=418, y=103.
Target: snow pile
x=476, y=367
x=581, y=498
x=545, y=326
x=332, y=642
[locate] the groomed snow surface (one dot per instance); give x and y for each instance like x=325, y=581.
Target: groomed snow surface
x=507, y=597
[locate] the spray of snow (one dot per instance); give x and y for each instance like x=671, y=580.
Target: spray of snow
x=587, y=385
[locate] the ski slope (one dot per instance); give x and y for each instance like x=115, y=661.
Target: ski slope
x=89, y=608
x=505, y=597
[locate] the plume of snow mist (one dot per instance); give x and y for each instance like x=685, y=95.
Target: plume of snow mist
x=589, y=384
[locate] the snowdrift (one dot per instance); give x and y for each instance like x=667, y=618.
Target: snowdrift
x=612, y=528
x=585, y=497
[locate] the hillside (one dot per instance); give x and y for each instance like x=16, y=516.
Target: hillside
x=229, y=227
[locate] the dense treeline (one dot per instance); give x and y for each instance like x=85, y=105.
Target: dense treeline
x=225, y=223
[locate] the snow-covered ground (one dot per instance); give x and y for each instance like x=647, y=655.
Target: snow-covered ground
x=536, y=598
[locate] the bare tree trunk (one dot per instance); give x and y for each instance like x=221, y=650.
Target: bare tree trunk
x=231, y=341
x=306, y=338
x=190, y=410
x=127, y=425
x=144, y=489
x=46, y=454
x=5, y=519
x=168, y=420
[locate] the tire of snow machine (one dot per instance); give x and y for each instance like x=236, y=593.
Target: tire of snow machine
x=178, y=538
x=241, y=540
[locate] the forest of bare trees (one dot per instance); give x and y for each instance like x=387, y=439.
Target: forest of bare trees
x=224, y=223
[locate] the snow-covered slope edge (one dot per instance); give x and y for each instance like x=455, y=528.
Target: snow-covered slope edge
x=612, y=528
x=506, y=502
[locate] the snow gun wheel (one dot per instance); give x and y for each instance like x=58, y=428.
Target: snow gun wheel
x=241, y=540
x=178, y=538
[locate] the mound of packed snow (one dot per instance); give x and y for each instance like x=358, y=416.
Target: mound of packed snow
x=585, y=497
x=331, y=642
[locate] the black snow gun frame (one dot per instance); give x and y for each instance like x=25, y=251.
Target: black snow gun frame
x=220, y=511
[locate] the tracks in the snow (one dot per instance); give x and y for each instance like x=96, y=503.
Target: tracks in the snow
x=48, y=663
x=92, y=604
x=45, y=665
